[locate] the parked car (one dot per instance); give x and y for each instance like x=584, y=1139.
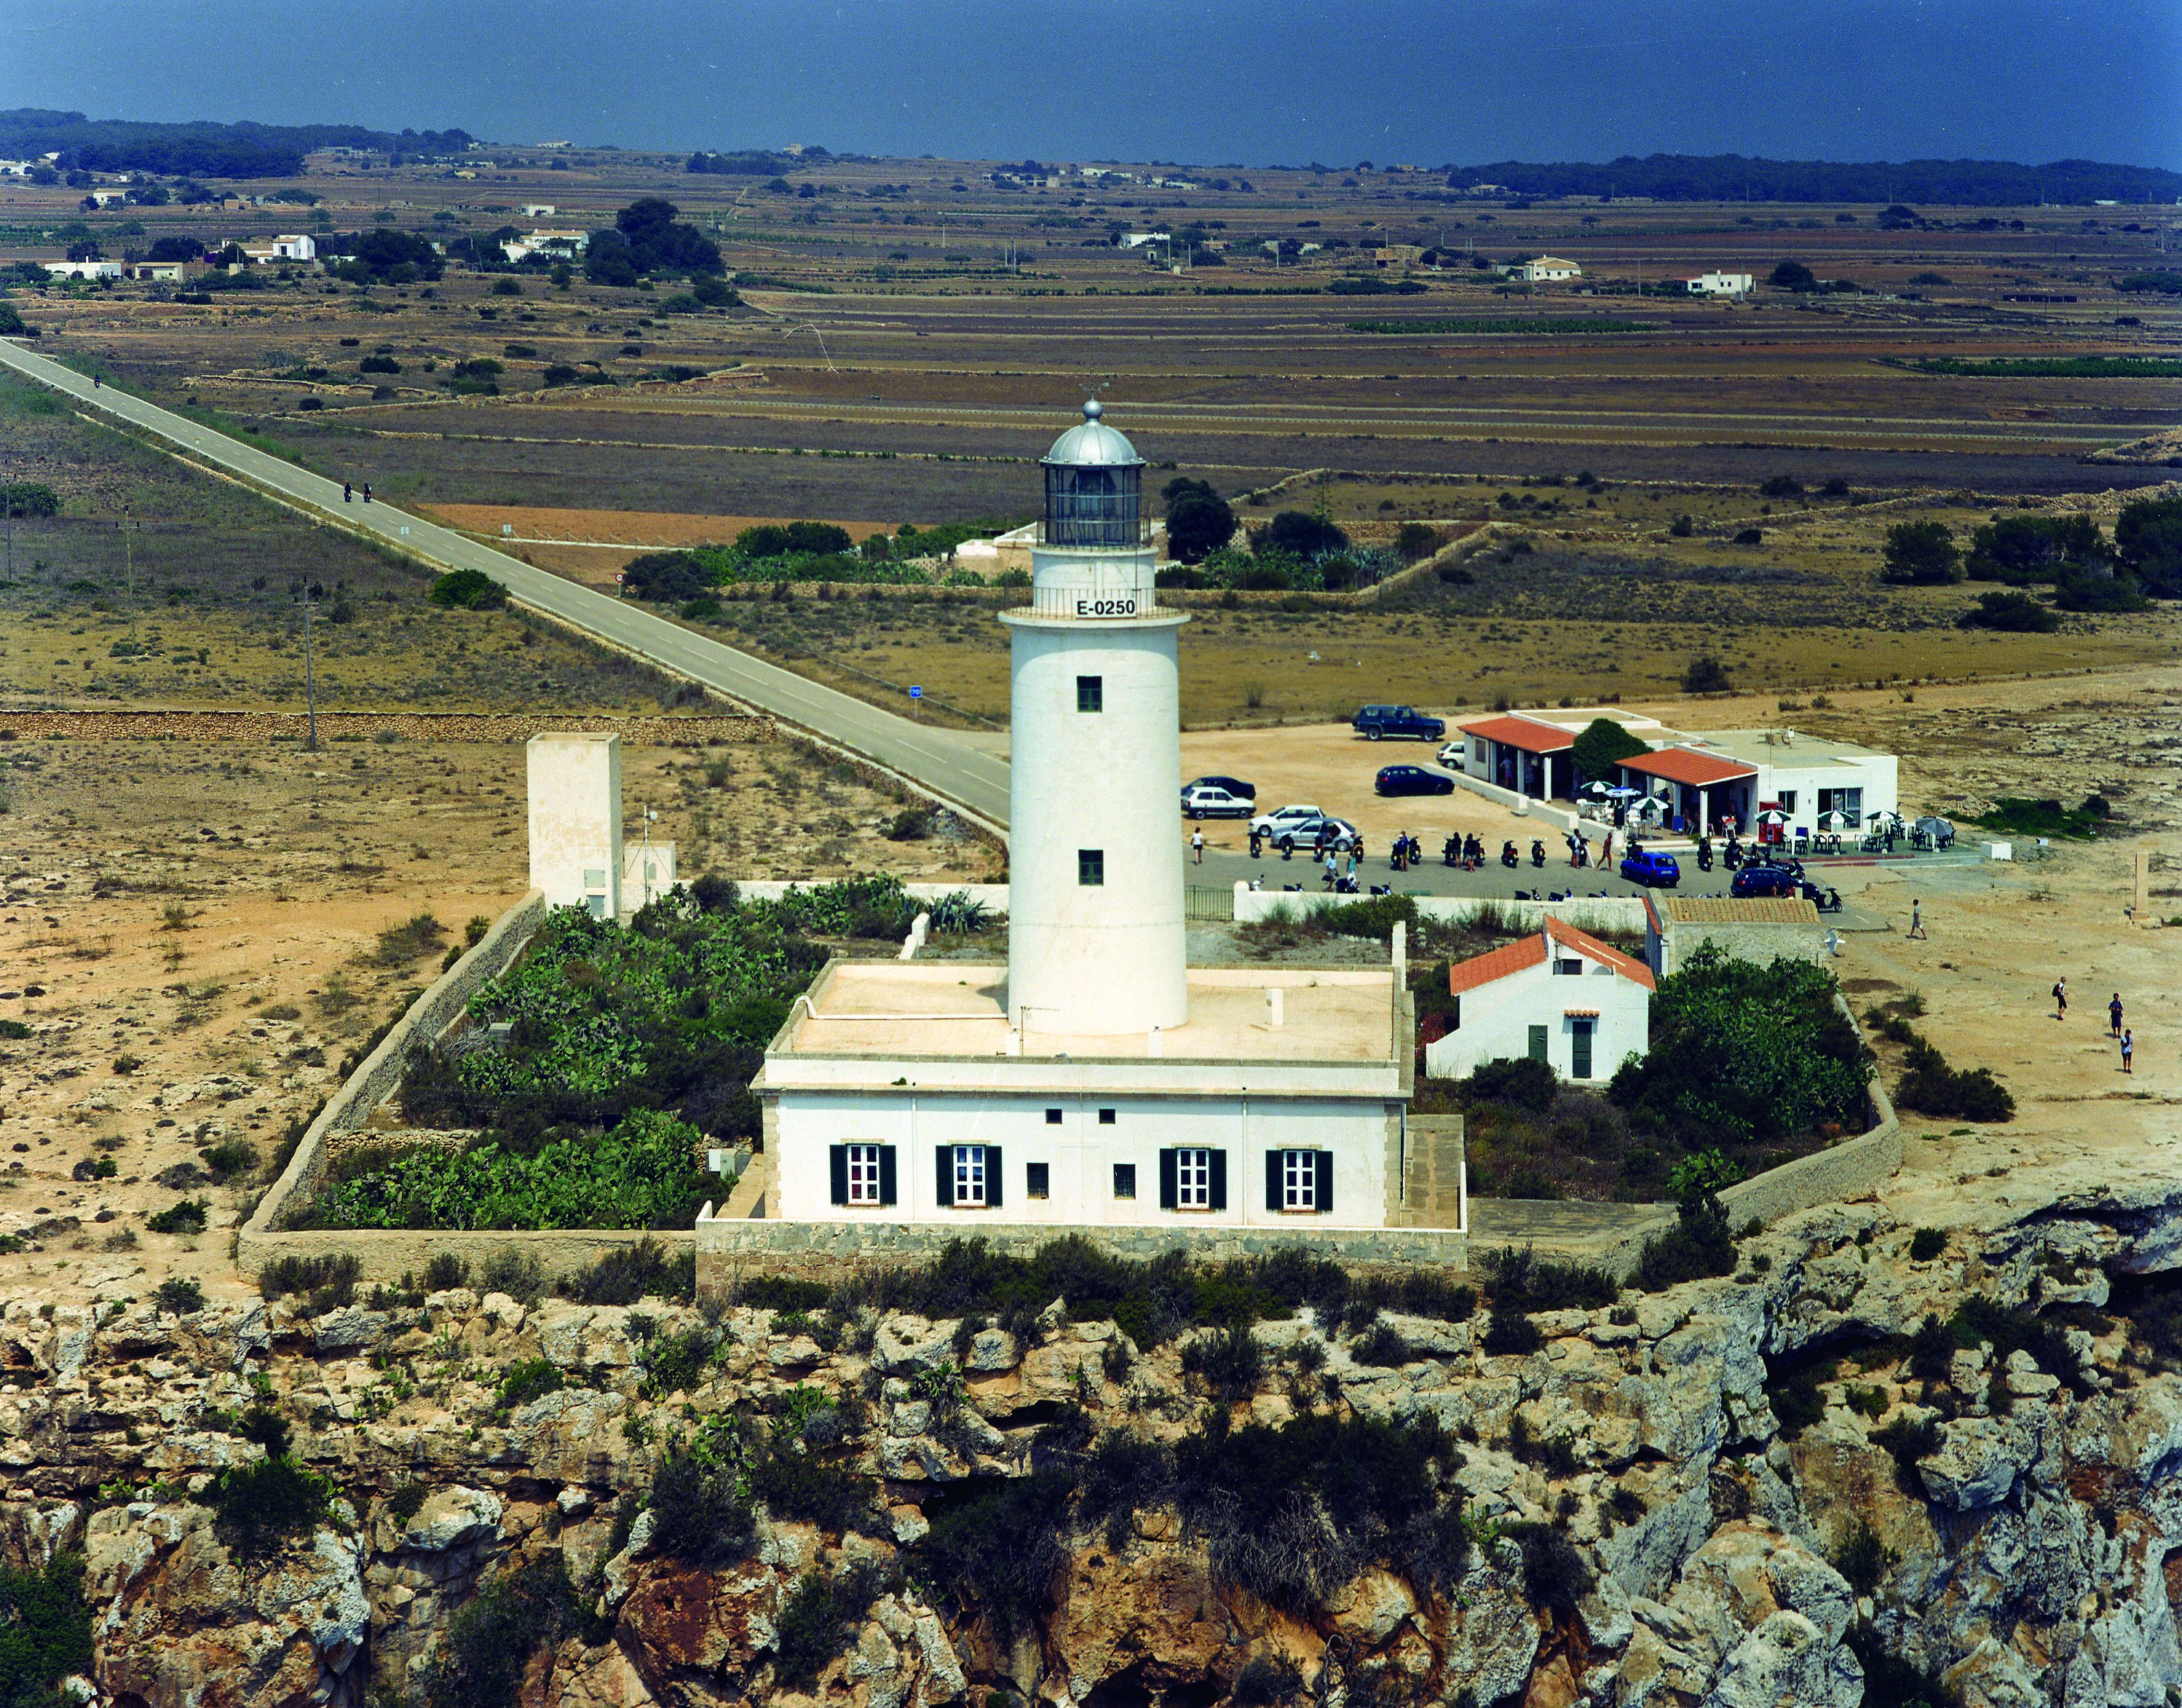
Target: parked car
x=1199, y=801
x=1234, y=786
x=1411, y=780
x=1455, y=755
x=1298, y=826
x=1765, y=881
x=1374, y=722
x=1650, y=869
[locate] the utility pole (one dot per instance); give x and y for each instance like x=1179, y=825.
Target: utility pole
x=649, y=817
x=8, y=508
x=310, y=675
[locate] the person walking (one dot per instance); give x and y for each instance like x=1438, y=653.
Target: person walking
x=2128, y=1053
x=1333, y=860
x=2061, y=999
x=1352, y=862
x=1197, y=846
x=2114, y=1014
x=1917, y=920
x=348, y=493
x=1606, y=850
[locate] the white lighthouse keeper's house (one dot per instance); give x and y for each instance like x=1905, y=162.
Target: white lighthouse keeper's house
x=1096, y=1080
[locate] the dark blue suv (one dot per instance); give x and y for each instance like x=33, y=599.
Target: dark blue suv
x=1650, y=869
x=1374, y=722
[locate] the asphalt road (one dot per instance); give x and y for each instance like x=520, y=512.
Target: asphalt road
x=955, y=770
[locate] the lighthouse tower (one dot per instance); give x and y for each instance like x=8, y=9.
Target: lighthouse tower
x=1094, y=865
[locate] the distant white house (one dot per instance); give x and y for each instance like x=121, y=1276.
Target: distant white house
x=1137, y=240
x=538, y=210
x=1717, y=283
x=107, y=198
x=15, y=168
x=1561, y=997
x=296, y=246
x=83, y=270
x=1549, y=269
x=564, y=244
x=154, y=270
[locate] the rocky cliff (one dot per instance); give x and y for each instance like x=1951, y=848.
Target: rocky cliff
x=1782, y=1487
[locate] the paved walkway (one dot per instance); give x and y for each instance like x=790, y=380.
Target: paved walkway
x=957, y=771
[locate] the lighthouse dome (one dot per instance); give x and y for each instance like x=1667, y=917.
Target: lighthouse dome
x=1092, y=443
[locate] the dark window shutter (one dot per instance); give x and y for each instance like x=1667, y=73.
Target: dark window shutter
x=946, y=1177
x=1274, y=1197
x=1167, y=1180
x=836, y=1169
x=1324, y=1194
x=992, y=1174
x=1218, y=1196
x=886, y=1175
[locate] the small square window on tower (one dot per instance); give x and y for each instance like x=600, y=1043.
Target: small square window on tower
x=1091, y=867
x=1090, y=694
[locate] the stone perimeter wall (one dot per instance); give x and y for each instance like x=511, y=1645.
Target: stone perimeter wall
x=729, y=1251
x=1620, y=915
x=364, y=1090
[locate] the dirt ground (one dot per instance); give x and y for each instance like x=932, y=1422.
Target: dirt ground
x=191, y=932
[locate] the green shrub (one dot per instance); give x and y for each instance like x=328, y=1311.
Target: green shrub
x=1862, y=1558
x=45, y=1629
x=1926, y=1244
x=782, y=1293
x=1229, y=1362
x=444, y=1271
x=1706, y=674
x=1520, y=1081
x=330, y=1279
x=1010, y=1583
x=257, y=1507
x=795, y=1484
x=467, y=590
x=1383, y=1346
x=230, y=1158
x=1509, y=1333
x=489, y=1643
x=405, y=1499
x=644, y=1270
x=1791, y=1385
x=1521, y=1280
x=1932, y=1350
x=2009, y=612
x=1889, y=1681
x=180, y=1294
x=527, y=1379
x=1555, y=1578
x=816, y=1621
x=1908, y=1442
x=186, y=1216
x=699, y=1514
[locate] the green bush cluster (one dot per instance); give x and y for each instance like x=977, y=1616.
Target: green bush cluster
x=1744, y=1058
x=1929, y=1086
x=45, y=1629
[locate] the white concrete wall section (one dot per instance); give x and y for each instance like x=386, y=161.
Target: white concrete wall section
x=1079, y=1153
x=1877, y=775
x=1497, y=1019
x=1480, y=763
x=575, y=820
x=1604, y=914
x=995, y=896
x=1104, y=956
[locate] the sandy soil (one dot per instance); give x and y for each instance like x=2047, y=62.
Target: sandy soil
x=653, y=529
x=206, y=917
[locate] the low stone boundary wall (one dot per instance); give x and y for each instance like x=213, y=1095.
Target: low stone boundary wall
x=1613, y=1235
x=732, y=1250
x=1623, y=915
x=993, y=896
x=1567, y=818
x=349, y=726
x=363, y=1091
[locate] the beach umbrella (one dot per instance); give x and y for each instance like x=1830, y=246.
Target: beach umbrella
x=1882, y=818
x=1772, y=815
x=1622, y=791
x=1835, y=821
x=1595, y=787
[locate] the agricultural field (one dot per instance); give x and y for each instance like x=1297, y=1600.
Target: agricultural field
x=908, y=336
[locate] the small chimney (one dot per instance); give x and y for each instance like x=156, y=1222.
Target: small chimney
x=1272, y=1005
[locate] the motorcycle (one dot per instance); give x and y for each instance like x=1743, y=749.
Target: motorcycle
x=1473, y=854
x=1344, y=885
x=1704, y=853
x=1825, y=901
x=1257, y=846
x=1451, y=854
x=1537, y=854
x=1509, y=857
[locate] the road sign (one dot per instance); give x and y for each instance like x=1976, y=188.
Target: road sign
x=405, y=533
x=619, y=577
x=916, y=693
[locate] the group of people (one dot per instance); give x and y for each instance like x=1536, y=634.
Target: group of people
x=2115, y=1029
x=1579, y=847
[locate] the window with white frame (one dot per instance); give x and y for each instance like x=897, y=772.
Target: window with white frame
x=969, y=1174
x=1193, y=1179
x=863, y=1173
x=1298, y=1179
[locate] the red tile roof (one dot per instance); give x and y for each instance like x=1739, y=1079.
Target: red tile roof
x=1496, y=963
x=1521, y=732
x=1530, y=951
x=1680, y=765
x=1561, y=932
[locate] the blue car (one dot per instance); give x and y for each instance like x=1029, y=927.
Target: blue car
x=1767, y=881
x=1650, y=869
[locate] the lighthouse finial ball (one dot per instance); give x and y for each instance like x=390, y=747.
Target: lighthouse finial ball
x=1092, y=412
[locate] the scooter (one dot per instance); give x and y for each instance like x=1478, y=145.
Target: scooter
x=1537, y=854
x=1382, y=889
x=1257, y=846
x=1451, y=854
x=1509, y=857
x=1344, y=885
x=1704, y=853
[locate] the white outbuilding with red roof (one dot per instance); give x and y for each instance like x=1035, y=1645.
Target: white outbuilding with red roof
x=1560, y=996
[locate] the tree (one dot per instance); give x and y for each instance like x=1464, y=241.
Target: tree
x=1305, y=534
x=1792, y=276
x=1921, y=554
x=467, y=590
x=1415, y=540
x=666, y=577
x=1897, y=218
x=176, y=248
x=2148, y=539
x=2011, y=612
x=1603, y=745
x=1706, y=674
x=1198, y=521
x=645, y=238
x=818, y=539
